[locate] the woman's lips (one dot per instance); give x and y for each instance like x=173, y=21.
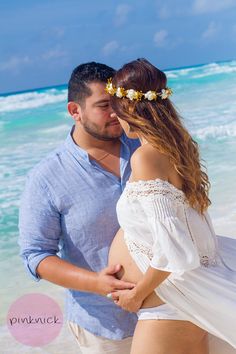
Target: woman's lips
x=114, y=122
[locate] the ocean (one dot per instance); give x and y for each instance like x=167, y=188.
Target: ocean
x=35, y=122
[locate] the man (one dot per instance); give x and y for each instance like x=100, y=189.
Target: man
x=69, y=205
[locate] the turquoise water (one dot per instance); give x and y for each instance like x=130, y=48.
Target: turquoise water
x=33, y=123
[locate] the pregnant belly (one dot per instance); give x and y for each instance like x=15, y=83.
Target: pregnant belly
x=119, y=254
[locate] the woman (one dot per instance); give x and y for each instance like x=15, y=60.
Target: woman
x=183, y=289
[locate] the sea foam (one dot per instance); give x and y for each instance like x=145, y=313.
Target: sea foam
x=30, y=100
x=216, y=131
x=203, y=70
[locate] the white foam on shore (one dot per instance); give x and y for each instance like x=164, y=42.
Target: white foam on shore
x=219, y=131
x=176, y=73
x=204, y=70
x=30, y=100
x=171, y=75
x=61, y=129
x=216, y=69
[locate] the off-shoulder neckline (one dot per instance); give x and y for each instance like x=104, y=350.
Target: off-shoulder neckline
x=149, y=181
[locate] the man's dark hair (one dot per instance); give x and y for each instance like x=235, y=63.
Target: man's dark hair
x=83, y=75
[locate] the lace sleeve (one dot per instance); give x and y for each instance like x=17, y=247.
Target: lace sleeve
x=173, y=249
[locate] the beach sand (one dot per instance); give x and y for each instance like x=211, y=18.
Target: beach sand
x=63, y=344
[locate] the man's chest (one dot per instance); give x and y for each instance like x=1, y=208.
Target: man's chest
x=89, y=210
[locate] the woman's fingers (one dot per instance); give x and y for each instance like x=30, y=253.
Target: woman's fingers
x=115, y=296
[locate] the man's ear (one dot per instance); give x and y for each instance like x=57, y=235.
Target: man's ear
x=74, y=110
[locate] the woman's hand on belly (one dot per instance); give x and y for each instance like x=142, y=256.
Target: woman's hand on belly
x=127, y=299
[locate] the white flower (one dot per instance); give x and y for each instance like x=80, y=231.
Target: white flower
x=109, y=86
x=119, y=92
x=131, y=94
x=150, y=95
x=164, y=94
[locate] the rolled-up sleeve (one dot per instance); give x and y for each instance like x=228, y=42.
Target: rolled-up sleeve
x=39, y=224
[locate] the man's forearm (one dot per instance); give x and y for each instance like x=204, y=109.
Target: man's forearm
x=63, y=273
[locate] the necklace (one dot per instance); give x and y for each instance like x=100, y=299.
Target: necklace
x=103, y=157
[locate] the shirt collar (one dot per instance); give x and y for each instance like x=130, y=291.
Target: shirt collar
x=80, y=153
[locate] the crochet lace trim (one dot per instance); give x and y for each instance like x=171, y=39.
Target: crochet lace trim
x=152, y=188
x=138, y=247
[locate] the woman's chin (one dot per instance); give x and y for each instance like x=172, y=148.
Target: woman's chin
x=131, y=135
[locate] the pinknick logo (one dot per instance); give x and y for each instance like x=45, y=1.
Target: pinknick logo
x=35, y=320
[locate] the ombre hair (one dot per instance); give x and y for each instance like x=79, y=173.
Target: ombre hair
x=160, y=124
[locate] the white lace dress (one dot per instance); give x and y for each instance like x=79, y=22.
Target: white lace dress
x=162, y=231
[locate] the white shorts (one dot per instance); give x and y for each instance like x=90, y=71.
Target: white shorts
x=162, y=312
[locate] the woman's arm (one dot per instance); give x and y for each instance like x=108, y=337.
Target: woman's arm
x=131, y=300
x=148, y=283
x=146, y=164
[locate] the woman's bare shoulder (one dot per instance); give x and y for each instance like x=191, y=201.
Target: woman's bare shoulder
x=148, y=163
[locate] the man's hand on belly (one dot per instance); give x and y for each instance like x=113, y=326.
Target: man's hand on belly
x=106, y=281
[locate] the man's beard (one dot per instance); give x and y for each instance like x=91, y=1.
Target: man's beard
x=93, y=130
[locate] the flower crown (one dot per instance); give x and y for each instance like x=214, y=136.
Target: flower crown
x=131, y=94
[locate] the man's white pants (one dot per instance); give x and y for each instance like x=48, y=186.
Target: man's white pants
x=92, y=344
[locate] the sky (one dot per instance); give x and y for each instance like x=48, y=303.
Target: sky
x=42, y=41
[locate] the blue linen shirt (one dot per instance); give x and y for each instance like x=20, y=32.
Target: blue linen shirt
x=68, y=209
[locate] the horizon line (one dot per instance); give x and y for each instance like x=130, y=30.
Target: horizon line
x=9, y=93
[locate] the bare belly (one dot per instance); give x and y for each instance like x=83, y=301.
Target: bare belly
x=119, y=254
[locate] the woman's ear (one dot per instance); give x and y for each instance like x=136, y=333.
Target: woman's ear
x=74, y=110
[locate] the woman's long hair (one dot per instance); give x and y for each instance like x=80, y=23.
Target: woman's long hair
x=160, y=124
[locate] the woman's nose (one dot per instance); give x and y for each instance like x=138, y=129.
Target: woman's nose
x=113, y=115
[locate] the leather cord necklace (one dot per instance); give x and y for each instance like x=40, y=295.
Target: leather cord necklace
x=103, y=157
